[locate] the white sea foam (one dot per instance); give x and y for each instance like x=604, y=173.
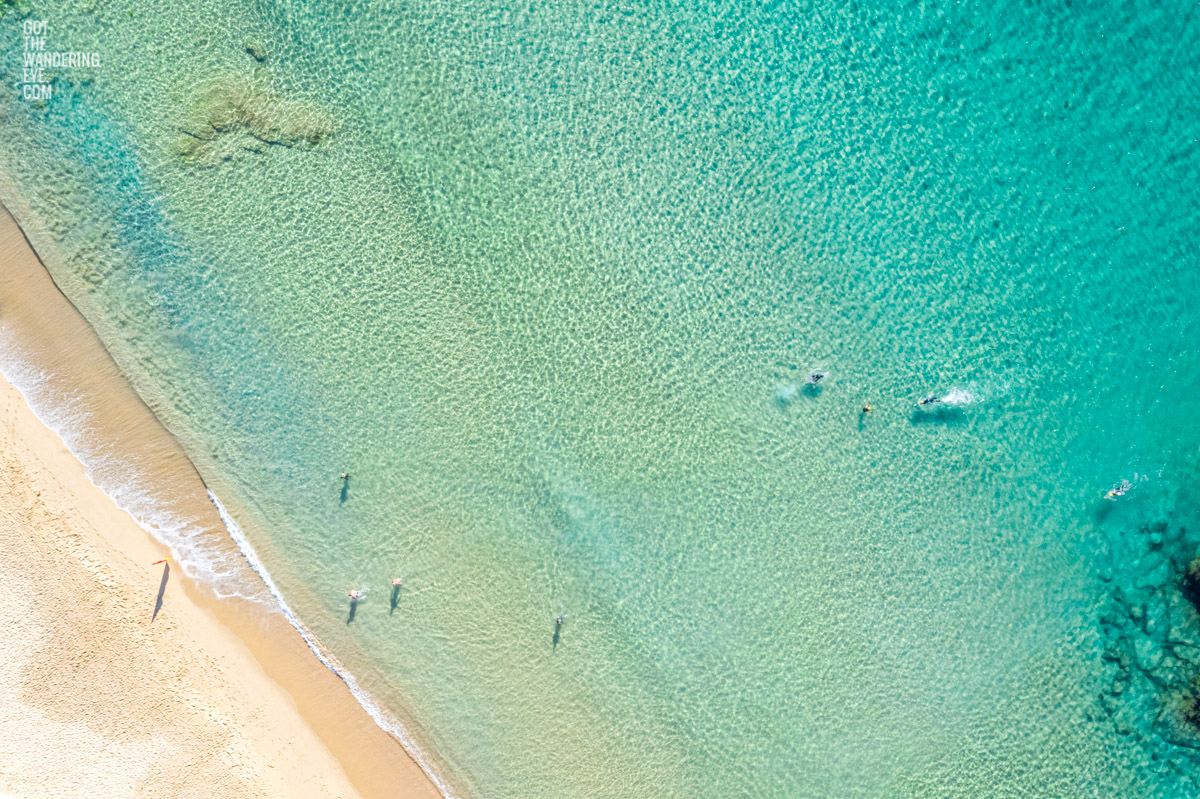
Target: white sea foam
x=224, y=571
x=960, y=396
x=385, y=720
x=786, y=393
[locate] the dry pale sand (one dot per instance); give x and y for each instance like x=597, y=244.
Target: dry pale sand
x=100, y=693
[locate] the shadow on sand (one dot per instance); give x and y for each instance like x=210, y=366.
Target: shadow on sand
x=345, y=490
x=353, y=610
x=395, y=599
x=162, y=589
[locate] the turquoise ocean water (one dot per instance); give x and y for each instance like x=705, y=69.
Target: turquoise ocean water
x=547, y=280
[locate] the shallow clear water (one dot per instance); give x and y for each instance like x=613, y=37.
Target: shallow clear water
x=548, y=284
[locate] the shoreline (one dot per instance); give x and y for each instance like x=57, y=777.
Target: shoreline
x=313, y=721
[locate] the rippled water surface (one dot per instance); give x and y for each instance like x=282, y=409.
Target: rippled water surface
x=548, y=281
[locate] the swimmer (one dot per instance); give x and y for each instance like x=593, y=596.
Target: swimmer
x=930, y=400
x=867, y=409
x=396, y=581
x=559, y=621
x=1118, y=490
x=355, y=596
x=344, y=476
x=815, y=377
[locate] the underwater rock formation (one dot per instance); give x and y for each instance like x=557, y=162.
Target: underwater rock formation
x=1151, y=635
x=1191, y=583
x=256, y=49
x=235, y=116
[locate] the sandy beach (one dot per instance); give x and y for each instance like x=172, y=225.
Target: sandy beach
x=121, y=678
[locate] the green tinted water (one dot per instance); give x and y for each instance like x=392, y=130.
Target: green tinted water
x=548, y=283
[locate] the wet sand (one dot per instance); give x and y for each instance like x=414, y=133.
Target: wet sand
x=127, y=679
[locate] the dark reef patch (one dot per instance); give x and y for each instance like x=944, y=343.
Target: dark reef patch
x=1150, y=630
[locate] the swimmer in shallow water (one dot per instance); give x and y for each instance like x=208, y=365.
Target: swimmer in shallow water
x=815, y=378
x=396, y=581
x=930, y=400
x=355, y=596
x=867, y=409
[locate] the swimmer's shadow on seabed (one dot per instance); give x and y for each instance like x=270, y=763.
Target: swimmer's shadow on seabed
x=162, y=589
x=353, y=610
x=947, y=415
x=1105, y=507
x=557, y=636
x=395, y=599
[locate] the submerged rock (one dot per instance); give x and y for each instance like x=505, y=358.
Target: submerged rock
x=1188, y=654
x=1191, y=583
x=1180, y=718
x=1159, y=575
x=1157, y=620
x=235, y=115
x=1148, y=654
x=1150, y=630
x=256, y=49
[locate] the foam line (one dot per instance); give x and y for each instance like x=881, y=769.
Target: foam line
x=381, y=717
x=123, y=484
x=209, y=568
